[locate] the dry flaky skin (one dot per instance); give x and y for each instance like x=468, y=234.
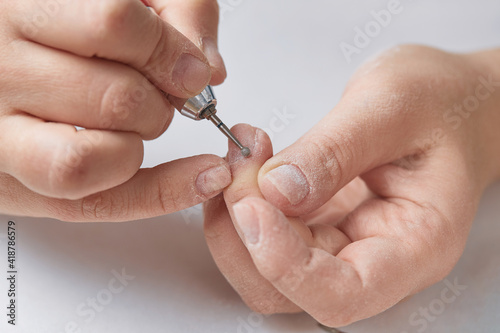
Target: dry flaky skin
x=104, y=66
x=374, y=203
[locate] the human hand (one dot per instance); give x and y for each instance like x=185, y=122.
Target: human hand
x=377, y=199
x=100, y=65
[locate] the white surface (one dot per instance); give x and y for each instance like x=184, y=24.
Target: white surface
x=281, y=55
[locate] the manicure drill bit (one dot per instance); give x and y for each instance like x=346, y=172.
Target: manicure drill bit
x=203, y=106
x=245, y=151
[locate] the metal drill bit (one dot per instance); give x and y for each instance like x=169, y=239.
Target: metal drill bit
x=203, y=106
x=245, y=151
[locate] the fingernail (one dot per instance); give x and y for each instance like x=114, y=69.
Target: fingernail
x=213, y=180
x=213, y=55
x=192, y=73
x=248, y=140
x=248, y=223
x=290, y=182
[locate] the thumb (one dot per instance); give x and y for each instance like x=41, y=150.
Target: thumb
x=198, y=20
x=353, y=138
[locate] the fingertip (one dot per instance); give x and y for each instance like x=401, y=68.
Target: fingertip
x=213, y=180
x=255, y=139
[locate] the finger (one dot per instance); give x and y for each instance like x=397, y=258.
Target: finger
x=124, y=31
x=56, y=160
x=198, y=20
x=364, y=279
x=101, y=94
x=164, y=189
x=245, y=170
x=234, y=262
x=226, y=247
x=254, y=290
x=342, y=146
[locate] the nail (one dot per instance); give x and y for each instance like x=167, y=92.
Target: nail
x=234, y=154
x=192, y=73
x=212, y=53
x=248, y=223
x=290, y=182
x=213, y=180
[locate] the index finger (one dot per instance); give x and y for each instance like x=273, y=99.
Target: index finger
x=161, y=190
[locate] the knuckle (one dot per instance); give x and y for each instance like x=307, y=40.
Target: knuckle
x=333, y=157
x=102, y=206
x=403, y=79
x=124, y=104
x=68, y=169
x=169, y=199
x=161, y=57
x=115, y=103
x=107, y=18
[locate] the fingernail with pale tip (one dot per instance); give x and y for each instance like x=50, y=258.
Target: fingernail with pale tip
x=248, y=223
x=290, y=182
x=192, y=73
x=213, y=180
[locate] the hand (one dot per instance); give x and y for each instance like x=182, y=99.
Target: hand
x=377, y=199
x=102, y=66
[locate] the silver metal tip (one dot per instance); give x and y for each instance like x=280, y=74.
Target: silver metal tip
x=245, y=151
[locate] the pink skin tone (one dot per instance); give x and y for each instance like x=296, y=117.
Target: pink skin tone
x=373, y=204
x=100, y=65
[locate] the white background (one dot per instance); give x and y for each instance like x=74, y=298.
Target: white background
x=281, y=55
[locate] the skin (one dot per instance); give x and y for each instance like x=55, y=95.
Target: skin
x=114, y=68
x=387, y=187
